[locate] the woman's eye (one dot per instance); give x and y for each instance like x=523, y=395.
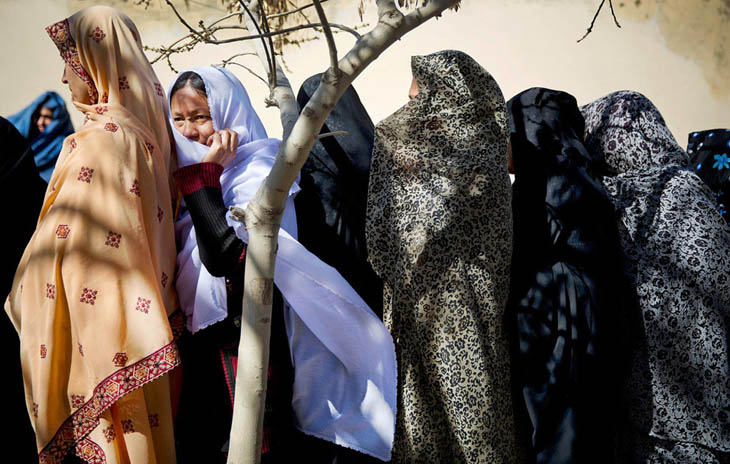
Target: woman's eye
x=203, y=118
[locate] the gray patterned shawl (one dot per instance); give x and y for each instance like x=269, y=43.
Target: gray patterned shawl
x=678, y=258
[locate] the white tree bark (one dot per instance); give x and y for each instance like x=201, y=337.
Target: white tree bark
x=263, y=214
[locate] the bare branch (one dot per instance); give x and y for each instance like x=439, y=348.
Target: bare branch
x=334, y=69
x=265, y=22
x=590, y=28
x=255, y=23
x=297, y=10
x=331, y=134
x=230, y=61
x=182, y=20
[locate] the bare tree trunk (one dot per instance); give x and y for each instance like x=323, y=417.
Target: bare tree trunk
x=263, y=214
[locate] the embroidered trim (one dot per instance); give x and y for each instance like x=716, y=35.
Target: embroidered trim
x=74, y=431
x=60, y=33
x=90, y=452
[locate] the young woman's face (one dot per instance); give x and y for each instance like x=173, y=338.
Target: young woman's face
x=45, y=117
x=78, y=88
x=191, y=114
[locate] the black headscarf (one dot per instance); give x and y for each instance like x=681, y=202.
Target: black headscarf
x=334, y=185
x=710, y=158
x=23, y=189
x=565, y=281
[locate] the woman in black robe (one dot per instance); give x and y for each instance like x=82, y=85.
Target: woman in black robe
x=565, y=282
x=334, y=185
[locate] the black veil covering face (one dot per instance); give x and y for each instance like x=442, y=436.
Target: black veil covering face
x=334, y=185
x=565, y=282
x=710, y=158
x=23, y=189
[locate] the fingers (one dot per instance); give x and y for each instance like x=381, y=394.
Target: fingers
x=223, y=146
x=225, y=138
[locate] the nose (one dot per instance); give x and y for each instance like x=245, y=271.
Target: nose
x=63, y=76
x=189, y=130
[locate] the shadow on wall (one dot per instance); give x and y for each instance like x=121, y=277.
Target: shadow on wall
x=697, y=30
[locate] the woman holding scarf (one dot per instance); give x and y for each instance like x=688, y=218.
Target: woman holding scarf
x=342, y=388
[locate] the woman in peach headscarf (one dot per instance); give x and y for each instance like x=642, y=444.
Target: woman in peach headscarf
x=93, y=293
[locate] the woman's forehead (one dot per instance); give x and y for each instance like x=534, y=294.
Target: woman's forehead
x=188, y=99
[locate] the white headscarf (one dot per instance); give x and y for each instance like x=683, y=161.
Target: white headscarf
x=343, y=356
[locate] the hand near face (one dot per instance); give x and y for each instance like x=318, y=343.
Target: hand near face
x=223, y=145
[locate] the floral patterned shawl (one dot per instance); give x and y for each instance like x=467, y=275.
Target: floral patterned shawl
x=439, y=234
x=93, y=291
x=678, y=259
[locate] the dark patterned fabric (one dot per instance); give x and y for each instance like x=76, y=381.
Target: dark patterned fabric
x=334, y=186
x=710, y=154
x=566, y=282
x=678, y=258
x=439, y=233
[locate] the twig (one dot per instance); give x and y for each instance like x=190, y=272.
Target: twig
x=182, y=20
x=590, y=28
x=265, y=22
x=334, y=67
x=263, y=41
x=613, y=13
x=331, y=134
x=297, y=10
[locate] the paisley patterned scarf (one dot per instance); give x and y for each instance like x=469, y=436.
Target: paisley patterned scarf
x=93, y=291
x=439, y=233
x=678, y=259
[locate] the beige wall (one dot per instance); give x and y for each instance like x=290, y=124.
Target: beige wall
x=675, y=52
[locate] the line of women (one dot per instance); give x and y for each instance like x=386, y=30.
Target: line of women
x=580, y=315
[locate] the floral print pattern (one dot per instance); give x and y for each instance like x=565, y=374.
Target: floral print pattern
x=677, y=252
x=439, y=233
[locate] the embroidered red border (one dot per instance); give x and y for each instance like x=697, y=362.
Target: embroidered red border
x=75, y=429
x=90, y=452
x=60, y=33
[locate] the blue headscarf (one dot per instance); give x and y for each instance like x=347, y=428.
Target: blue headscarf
x=46, y=145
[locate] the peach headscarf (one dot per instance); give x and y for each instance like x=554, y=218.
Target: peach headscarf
x=93, y=291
